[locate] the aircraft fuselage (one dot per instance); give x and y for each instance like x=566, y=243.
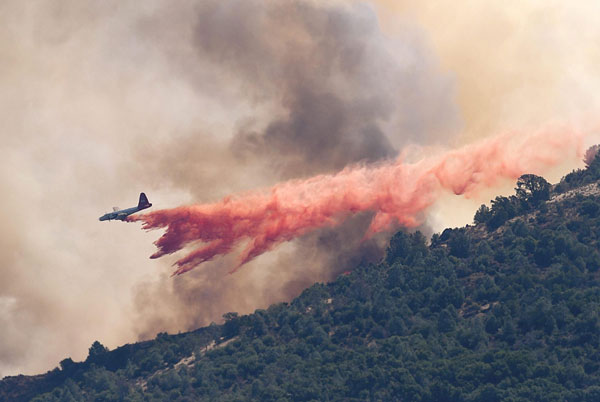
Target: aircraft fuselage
x=122, y=214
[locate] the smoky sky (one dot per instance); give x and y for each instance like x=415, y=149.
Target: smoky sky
x=193, y=100
x=316, y=86
x=188, y=101
x=330, y=90
x=335, y=78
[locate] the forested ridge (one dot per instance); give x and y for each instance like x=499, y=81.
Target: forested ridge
x=503, y=310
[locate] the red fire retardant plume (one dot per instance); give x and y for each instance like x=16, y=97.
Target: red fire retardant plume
x=397, y=192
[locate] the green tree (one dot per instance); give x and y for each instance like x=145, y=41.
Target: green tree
x=532, y=190
x=96, y=352
x=231, y=327
x=398, y=247
x=459, y=244
x=67, y=365
x=483, y=214
x=446, y=321
x=503, y=209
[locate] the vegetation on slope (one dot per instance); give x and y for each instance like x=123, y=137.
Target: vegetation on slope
x=506, y=310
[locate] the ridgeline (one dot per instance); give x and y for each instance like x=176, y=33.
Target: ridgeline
x=503, y=310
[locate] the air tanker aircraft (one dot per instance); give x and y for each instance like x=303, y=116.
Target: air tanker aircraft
x=121, y=214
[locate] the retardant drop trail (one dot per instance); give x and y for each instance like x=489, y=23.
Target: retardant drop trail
x=397, y=192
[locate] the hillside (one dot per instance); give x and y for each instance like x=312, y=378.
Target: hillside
x=503, y=310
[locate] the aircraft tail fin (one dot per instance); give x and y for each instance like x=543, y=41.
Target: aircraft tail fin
x=143, y=203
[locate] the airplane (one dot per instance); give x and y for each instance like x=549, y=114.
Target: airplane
x=122, y=214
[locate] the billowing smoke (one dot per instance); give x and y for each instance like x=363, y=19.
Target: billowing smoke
x=192, y=100
x=398, y=193
x=187, y=101
x=316, y=86
x=326, y=89
x=336, y=81
x=519, y=66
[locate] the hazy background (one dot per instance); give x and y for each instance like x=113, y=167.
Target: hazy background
x=192, y=100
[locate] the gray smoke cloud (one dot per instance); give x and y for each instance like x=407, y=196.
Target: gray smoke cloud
x=335, y=80
x=188, y=101
x=329, y=89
